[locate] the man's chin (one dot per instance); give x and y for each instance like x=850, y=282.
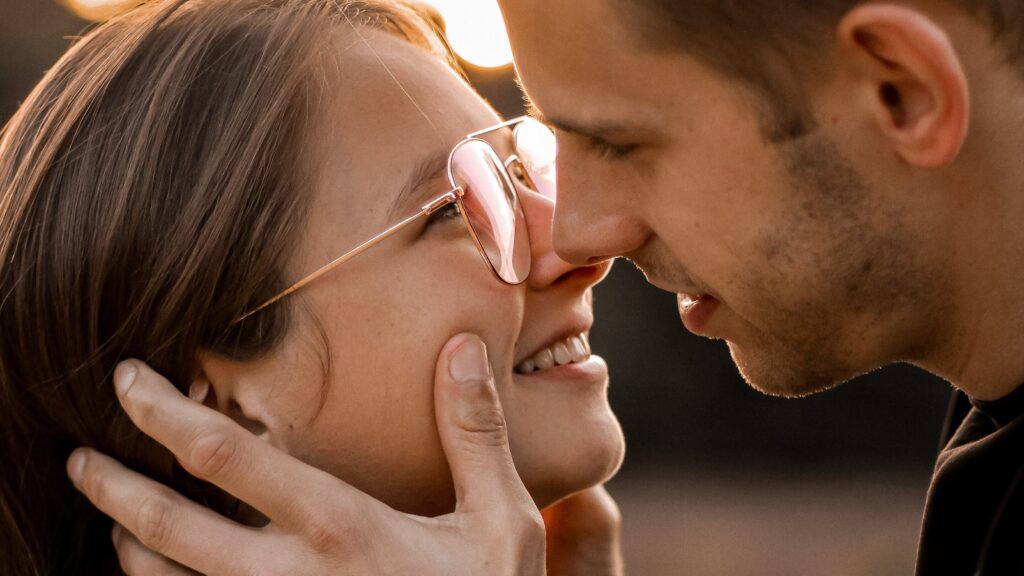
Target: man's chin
x=782, y=374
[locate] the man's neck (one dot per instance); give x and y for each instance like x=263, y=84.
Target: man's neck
x=983, y=353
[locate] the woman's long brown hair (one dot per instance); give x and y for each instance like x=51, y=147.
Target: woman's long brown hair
x=150, y=192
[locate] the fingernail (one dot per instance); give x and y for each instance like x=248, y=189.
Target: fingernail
x=198, y=391
x=469, y=362
x=124, y=377
x=76, y=463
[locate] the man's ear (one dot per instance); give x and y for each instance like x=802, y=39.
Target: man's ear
x=919, y=93
x=220, y=384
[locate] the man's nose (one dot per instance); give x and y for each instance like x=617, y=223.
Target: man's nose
x=547, y=267
x=595, y=221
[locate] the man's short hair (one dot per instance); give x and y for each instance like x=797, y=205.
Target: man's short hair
x=773, y=46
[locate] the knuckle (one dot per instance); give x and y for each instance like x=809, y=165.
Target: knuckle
x=518, y=534
x=154, y=522
x=211, y=454
x=533, y=523
x=532, y=532
x=522, y=517
x=328, y=534
x=485, y=425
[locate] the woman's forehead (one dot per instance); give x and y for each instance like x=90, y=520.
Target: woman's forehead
x=386, y=108
x=386, y=88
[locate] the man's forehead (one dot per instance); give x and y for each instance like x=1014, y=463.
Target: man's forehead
x=593, y=76
x=563, y=33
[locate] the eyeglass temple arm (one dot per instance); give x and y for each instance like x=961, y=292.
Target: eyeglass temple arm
x=426, y=210
x=504, y=124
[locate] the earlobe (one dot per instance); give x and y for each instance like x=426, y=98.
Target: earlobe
x=920, y=94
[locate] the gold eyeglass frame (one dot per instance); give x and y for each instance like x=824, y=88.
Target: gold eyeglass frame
x=452, y=196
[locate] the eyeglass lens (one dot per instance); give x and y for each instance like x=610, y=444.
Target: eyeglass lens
x=492, y=210
x=535, y=144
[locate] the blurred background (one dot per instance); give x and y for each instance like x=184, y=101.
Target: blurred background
x=718, y=479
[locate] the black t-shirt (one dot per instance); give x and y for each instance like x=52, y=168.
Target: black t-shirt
x=974, y=516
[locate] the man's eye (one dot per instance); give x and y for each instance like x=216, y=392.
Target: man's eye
x=607, y=151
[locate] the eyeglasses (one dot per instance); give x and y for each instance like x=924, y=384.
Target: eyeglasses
x=484, y=192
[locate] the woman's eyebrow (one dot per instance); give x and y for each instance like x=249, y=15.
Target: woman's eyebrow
x=418, y=186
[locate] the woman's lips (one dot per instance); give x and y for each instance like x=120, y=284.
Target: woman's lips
x=697, y=311
x=572, y=350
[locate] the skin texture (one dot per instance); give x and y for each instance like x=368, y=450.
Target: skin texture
x=369, y=420
x=404, y=466
x=849, y=247
x=327, y=527
x=888, y=232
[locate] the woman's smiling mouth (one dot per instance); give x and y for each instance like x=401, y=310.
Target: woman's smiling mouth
x=572, y=350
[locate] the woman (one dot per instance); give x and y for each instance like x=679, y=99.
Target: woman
x=179, y=188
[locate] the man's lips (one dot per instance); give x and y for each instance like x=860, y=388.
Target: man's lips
x=696, y=311
x=696, y=305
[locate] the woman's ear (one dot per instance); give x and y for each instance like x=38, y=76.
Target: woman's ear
x=918, y=91
x=221, y=384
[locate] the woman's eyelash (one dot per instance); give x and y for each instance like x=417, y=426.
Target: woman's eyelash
x=446, y=213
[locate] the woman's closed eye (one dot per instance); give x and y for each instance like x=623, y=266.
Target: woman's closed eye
x=448, y=213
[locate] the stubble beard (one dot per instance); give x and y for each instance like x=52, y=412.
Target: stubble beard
x=838, y=286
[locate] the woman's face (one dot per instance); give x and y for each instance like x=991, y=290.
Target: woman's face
x=351, y=389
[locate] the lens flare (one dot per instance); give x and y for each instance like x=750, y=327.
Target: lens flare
x=476, y=31
x=99, y=10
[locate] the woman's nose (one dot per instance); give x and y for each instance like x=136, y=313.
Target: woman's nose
x=546, y=267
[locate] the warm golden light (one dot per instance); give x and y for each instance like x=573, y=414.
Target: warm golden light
x=475, y=28
x=98, y=10
x=476, y=31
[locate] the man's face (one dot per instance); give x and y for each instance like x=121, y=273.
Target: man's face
x=796, y=253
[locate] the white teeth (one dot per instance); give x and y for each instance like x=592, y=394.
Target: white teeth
x=545, y=359
x=573, y=349
x=562, y=355
x=578, y=350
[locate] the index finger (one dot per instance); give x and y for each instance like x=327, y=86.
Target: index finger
x=165, y=522
x=214, y=448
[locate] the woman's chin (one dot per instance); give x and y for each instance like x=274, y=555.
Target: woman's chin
x=585, y=466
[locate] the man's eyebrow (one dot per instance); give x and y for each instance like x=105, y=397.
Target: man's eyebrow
x=587, y=129
x=418, y=186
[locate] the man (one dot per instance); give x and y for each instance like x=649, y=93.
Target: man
x=828, y=186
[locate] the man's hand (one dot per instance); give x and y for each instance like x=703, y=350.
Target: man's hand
x=318, y=524
x=583, y=535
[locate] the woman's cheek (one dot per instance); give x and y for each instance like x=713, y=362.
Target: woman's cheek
x=376, y=429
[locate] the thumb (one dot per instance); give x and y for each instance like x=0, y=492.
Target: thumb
x=472, y=428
